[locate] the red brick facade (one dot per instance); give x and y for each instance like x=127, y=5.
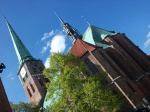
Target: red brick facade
x=34, y=81
x=127, y=66
x=4, y=103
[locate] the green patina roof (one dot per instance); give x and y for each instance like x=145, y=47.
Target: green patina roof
x=46, y=103
x=95, y=36
x=22, y=53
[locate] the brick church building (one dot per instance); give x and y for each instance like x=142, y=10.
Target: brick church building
x=126, y=65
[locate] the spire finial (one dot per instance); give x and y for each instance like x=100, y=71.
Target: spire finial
x=4, y=17
x=59, y=18
x=85, y=20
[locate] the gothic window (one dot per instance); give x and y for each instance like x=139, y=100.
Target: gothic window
x=32, y=88
x=119, y=64
x=109, y=62
x=40, y=81
x=25, y=77
x=131, y=54
x=29, y=92
x=90, y=65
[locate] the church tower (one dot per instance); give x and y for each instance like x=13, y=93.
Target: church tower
x=72, y=33
x=30, y=71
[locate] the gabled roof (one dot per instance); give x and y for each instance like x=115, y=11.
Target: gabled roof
x=95, y=36
x=80, y=48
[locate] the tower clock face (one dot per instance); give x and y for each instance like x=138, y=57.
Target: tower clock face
x=22, y=72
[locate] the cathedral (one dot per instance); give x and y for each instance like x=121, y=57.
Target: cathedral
x=126, y=65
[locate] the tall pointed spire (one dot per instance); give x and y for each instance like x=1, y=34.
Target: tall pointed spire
x=72, y=33
x=22, y=53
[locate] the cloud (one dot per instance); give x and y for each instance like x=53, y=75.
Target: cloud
x=10, y=76
x=47, y=35
x=49, y=44
x=147, y=42
x=44, y=49
x=46, y=63
x=55, y=44
x=50, y=34
x=58, y=43
x=148, y=35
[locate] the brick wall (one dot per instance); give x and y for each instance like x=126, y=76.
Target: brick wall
x=4, y=103
x=124, y=59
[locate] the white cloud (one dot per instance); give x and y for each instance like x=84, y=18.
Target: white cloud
x=46, y=63
x=10, y=76
x=44, y=49
x=50, y=34
x=147, y=43
x=50, y=44
x=148, y=35
x=47, y=35
x=58, y=43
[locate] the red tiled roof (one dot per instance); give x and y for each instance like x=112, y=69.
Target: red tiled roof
x=80, y=48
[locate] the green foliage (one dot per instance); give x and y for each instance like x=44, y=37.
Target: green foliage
x=72, y=90
x=24, y=107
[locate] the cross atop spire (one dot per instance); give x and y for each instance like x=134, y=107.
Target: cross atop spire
x=22, y=53
x=72, y=33
x=86, y=20
x=62, y=22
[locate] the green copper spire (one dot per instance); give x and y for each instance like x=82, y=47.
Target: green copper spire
x=22, y=53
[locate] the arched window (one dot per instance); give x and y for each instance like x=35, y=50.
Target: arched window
x=91, y=65
x=32, y=88
x=29, y=92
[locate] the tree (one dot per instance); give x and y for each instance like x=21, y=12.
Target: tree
x=24, y=107
x=73, y=87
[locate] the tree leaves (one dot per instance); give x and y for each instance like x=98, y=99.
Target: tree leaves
x=24, y=107
x=73, y=90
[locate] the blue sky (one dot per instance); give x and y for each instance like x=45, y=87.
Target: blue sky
x=41, y=32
